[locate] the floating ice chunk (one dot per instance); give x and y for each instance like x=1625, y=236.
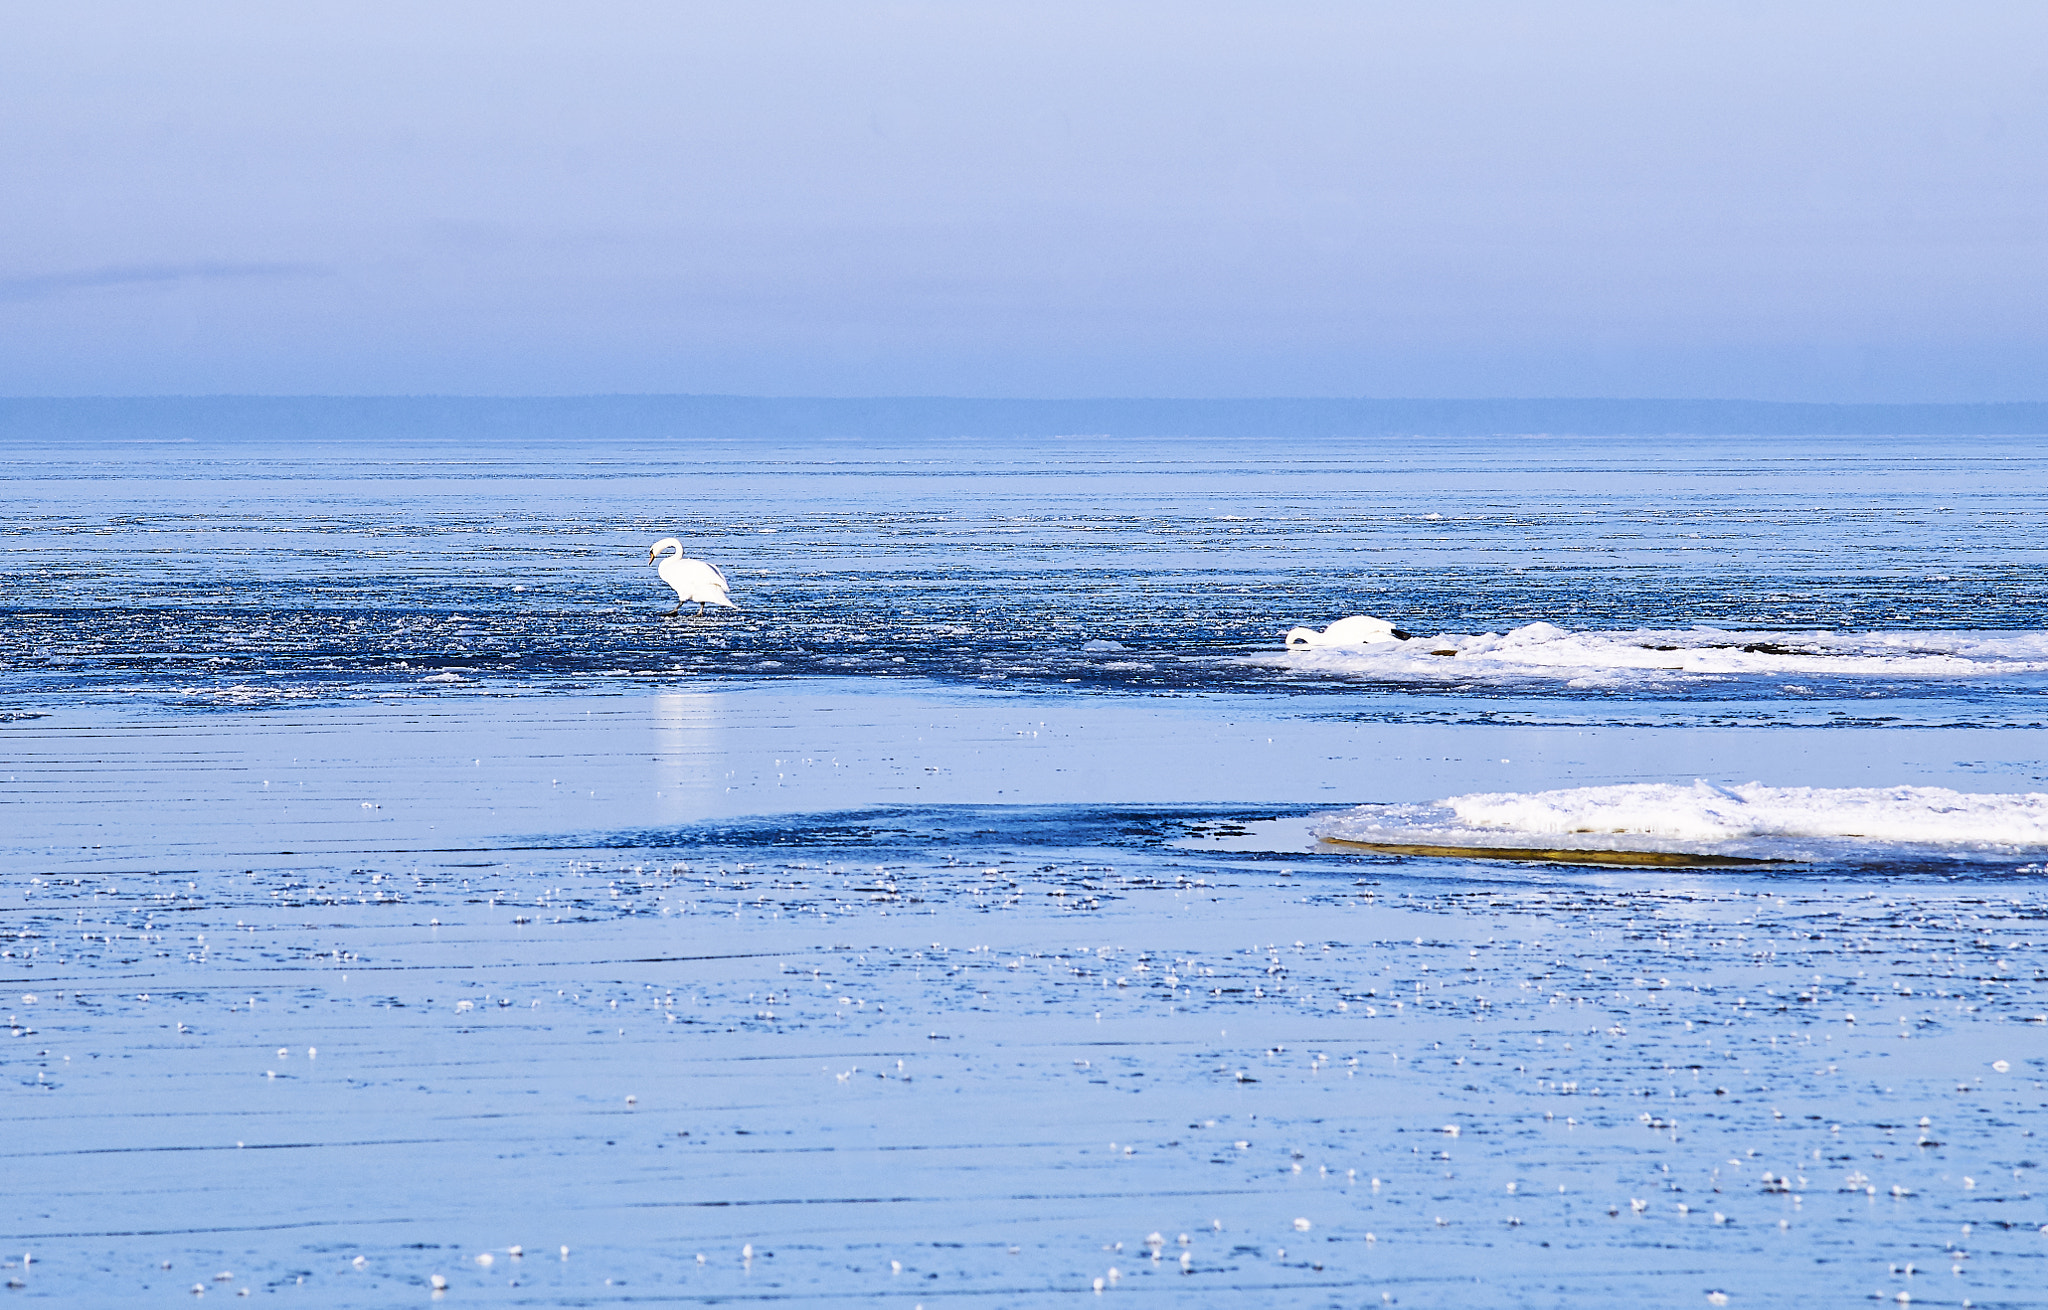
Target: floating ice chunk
x=1543, y=653
x=1714, y=813
x=1358, y=630
x=1748, y=819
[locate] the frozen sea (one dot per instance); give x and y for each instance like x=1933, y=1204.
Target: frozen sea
x=395, y=904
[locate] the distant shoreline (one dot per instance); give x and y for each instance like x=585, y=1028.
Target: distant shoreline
x=943, y=418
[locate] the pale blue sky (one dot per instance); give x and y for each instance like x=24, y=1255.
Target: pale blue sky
x=1797, y=201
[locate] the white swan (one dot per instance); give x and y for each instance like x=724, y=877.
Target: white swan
x=693, y=579
x=1358, y=630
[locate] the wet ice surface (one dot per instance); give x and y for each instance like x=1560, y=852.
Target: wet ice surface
x=335, y=1007
x=1001, y=1050
x=382, y=881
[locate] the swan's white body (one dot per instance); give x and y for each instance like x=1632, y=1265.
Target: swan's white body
x=696, y=582
x=1358, y=630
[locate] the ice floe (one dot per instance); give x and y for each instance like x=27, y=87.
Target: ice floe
x=1747, y=820
x=1544, y=653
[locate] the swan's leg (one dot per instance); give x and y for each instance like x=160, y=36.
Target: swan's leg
x=669, y=614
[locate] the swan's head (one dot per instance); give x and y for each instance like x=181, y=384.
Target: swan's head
x=661, y=546
x=1298, y=637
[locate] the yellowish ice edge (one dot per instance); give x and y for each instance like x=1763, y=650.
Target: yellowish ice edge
x=1552, y=856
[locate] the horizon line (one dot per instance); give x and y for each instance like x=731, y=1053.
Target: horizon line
x=1009, y=400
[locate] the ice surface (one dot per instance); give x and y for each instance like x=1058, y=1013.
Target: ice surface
x=914, y=1054
x=385, y=885
x=1745, y=819
x=480, y=769
x=1650, y=658
x=1934, y=815
x=1358, y=630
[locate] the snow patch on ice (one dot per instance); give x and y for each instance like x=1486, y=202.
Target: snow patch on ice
x=1546, y=653
x=1748, y=819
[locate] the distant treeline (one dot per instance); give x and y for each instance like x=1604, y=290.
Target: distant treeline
x=935, y=418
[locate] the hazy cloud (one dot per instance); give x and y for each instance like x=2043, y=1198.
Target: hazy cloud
x=40, y=286
x=1837, y=200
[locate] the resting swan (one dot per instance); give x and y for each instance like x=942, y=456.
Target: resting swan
x=1357, y=630
x=693, y=579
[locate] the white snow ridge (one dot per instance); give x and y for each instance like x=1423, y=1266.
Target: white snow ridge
x=1750, y=819
x=1646, y=657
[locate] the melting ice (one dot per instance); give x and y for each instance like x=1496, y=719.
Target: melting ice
x=1648, y=657
x=1749, y=819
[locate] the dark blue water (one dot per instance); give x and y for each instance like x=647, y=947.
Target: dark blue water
x=326, y=569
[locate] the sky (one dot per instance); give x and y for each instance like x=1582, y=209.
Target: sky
x=1797, y=201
